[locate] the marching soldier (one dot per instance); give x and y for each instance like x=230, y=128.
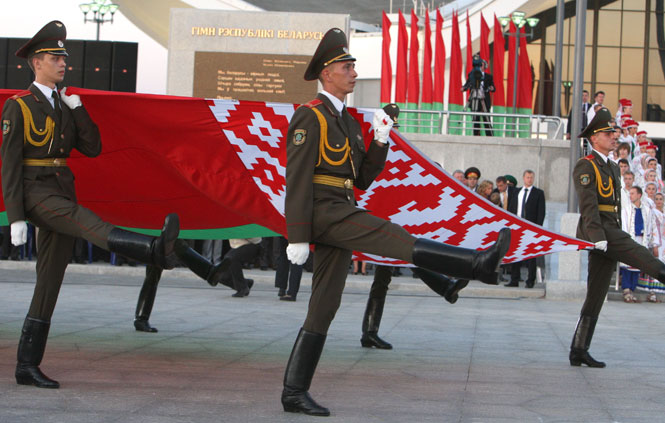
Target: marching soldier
x=446, y=287
x=40, y=127
x=326, y=158
x=598, y=185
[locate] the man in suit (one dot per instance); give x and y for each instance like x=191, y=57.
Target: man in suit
x=506, y=192
x=326, y=158
x=530, y=206
x=598, y=184
x=40, y=127
x=586, y=106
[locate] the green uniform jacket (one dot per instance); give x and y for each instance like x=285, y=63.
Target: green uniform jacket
x=25, y=186
x=593, y=222
x=310, y=208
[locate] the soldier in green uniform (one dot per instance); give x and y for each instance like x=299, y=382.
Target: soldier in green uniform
x=326, y=158
x=40, y=127
x=598, y=185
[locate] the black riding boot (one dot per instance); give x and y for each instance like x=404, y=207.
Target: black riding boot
x=579, y=348
x=299, y=373
x=146, y=249
x=147, y=299
x=441, y=284
x=462, y=262
x=371, y=323
x=198, y=264
x=30, y=353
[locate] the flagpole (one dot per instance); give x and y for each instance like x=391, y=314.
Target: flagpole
x=578, y=85
x=558, y=56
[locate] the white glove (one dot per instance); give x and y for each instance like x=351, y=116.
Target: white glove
x=297, y=253
x=600, y=245
x=382, y=126
x=72, y=101
x=19, y=232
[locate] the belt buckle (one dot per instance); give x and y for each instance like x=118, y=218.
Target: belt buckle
x=56, y=162
x=348, y=184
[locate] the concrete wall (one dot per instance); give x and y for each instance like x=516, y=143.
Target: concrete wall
x=495, y=156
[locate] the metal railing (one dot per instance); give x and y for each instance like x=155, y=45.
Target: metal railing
x=507, y=125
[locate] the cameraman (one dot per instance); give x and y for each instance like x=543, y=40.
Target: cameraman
x=480, y=84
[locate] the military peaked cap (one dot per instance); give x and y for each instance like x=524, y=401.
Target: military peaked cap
x=50, y=39
x=472, y=171
x=332, y=48
x=601, y=122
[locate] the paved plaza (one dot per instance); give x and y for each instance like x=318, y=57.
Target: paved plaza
x=498, y=355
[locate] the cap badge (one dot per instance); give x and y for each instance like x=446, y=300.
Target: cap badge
x=58, y=24
x=60, y=44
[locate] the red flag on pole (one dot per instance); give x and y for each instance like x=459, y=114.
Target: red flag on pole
x=469, y=45
x=499, y=96
x=511, y=66
x=414, y=77
x=402, y=50
x=484, y=39
x=524, y=88
x=386, y=66
x=426, y=98
x=439, y=62
x=455, y=101
x=525, y=80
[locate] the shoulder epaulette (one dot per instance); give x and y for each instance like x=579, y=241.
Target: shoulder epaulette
x=589, y=157
x=313, y=103
x=21, y=94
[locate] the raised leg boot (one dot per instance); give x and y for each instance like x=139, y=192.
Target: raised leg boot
x=462, y=262
x=146, y=249
x=579, y=348
x=198, y=264
x=371, y=323
x=441, y=284
x=147, y=299
x=30, y=353
x=299, y=373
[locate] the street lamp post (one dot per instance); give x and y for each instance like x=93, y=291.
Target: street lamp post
x=518, y=18
x=102, y=12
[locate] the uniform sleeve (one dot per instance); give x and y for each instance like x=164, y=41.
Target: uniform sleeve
x=88, y=140
x=302, y=148
x=372, y=165
x=584, y=179
x=12, y=160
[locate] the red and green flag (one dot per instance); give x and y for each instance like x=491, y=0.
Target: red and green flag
x=524, y=88
x=439, y=63
x=484, y=39
x=455, y=99
x=414, y=77
x=427, y=92
x=469, y=67
x=511, y=123
x=402, y=52
x=386, y=66
x=499, y=96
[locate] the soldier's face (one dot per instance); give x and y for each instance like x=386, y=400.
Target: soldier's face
x=49, y=69
x=603, y=142
x=339, y=78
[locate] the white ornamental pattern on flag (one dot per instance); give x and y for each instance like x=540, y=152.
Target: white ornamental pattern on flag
x=412, y=191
